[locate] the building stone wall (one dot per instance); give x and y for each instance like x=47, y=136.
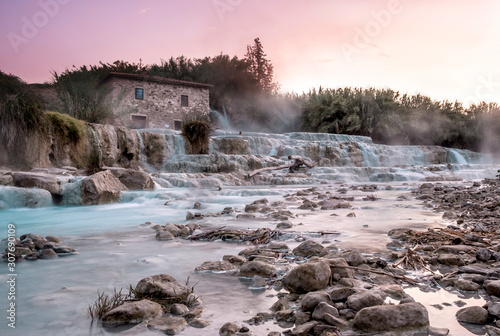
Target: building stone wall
x=161, y=103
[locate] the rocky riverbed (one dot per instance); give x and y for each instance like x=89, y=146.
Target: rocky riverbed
x=318, y=277
x=322, y=289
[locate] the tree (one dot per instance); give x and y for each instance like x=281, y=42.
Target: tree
x=260, y=67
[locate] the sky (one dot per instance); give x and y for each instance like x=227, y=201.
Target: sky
x=446, y=49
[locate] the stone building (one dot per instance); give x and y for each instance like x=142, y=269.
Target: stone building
x=144, y=101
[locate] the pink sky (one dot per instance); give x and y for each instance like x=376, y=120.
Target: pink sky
x=447, y=49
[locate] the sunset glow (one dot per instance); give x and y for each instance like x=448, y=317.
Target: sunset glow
x=445, y=49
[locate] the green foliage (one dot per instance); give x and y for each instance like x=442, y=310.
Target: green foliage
x=66, y=126
x=20, y=111
x=260, y=67
x=391, y=118
x=197, y=133
x=498, y=173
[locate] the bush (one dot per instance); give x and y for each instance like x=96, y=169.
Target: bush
x=66, y=127
x=197, y=134
x=20, y=111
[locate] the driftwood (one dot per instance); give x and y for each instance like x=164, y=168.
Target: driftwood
x=399, y=277
x=259, y=236
x=298, y=162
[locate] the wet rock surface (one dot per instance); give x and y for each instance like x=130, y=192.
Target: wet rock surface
x=33, y=246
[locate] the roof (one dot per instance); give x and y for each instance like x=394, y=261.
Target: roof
x=157, y=79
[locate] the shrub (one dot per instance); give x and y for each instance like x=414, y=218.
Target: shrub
x=20, y=111
x=66, y=126
x=197, y=134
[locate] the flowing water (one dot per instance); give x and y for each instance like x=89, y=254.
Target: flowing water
x=117, y=249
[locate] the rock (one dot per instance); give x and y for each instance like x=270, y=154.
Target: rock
x=394, y=291
x=101, y=188
x=215, y=266
x=354, y=258
x=162, y=286
x=341, y=293
x=170, y=325
x=189, y=216
x=474, y=314
x=324, y=308
x=199, y=323
x=308, y=277
x=63, y=250
x=132, y=313
x=173, y=229
x=362, y=300
x=308, y=249
x=312, y=299
x=278, y=246
x=228, y=329
x=47, y=254
x=251, y=268
x=333, y=320
x=284, y=225
x=163, y=235
x=493, y=288
x=285, y=315
x=258, y=282
x=494, y=309
x=304, y=329
x=233, y=259
x=467, y=286
x=36, y=180
x=492, y=331
x=53, y=239
x=280, y=305
x=392, y=317
x=179, y=309
x=451, y=260
x=134, y=179
x=339, y=266
x=483, y=254
x=444, y=249
x=301, y=317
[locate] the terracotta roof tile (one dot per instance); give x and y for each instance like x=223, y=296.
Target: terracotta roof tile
x=157, y=79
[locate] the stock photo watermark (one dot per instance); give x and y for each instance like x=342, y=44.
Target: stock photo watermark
x=224, y=6
x=31, y=26
x=487, y=89
x=367, y=33
x=11, y=275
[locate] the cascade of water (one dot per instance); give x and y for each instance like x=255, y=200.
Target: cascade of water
x=142, y=155
x=96, y=145
x=457, y=156
x=222, y=119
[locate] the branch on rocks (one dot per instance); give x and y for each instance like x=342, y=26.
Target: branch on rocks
x=259, y=236
x=413, y=260
x=292, y=167
x=399, y=277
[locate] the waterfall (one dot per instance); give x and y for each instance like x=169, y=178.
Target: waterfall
x=96, y=147
x=142, y=154
x=222, y=119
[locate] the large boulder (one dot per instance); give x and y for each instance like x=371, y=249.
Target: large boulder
x=392, y=317
x=308, y=277
x=101, y=188
x=474, y=314
x=132, y=313
x=134, y=179
x=36, y=180
x=162, y=286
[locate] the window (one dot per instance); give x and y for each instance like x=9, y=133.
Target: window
x=139, y=93
x=177, y=125
x=184, y=100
